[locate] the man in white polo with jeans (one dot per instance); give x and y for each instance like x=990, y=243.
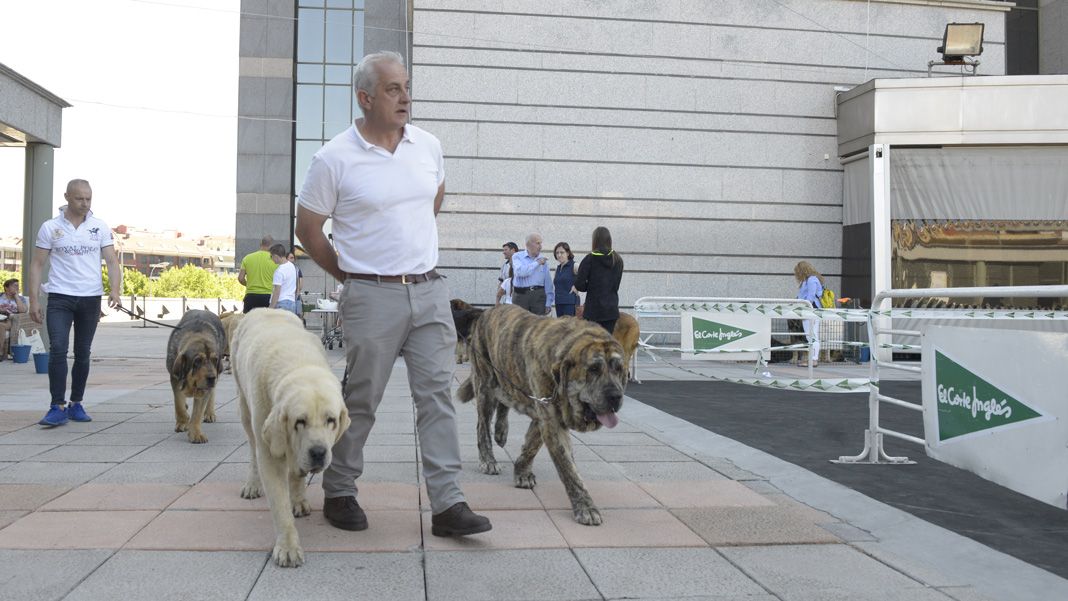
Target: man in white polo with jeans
x=72, y=244
x=382, y=181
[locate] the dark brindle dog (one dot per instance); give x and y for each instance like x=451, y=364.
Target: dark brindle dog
x=565, y=374
x=194, y=360
x=464, y=317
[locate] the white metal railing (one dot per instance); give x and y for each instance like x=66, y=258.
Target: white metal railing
x=873, y=452
x=777, y=308
x=163, y=308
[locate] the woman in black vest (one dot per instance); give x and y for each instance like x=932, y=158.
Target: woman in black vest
x=599, y=275
x=564, y=280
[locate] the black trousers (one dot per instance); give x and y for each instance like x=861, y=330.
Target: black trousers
x=609, y=325
x=256, y=301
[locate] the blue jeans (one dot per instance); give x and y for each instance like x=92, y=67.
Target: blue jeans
x=83, y=312
x=289, y=305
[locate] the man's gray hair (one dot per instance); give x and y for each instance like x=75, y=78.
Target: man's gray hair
x=266, y=240
x=366, y=76
x=532, y=236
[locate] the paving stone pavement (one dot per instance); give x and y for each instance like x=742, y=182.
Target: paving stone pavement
x=125, y=508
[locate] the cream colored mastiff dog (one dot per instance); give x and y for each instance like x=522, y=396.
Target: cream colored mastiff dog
x=293, y=414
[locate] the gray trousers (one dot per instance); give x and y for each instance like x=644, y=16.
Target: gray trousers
x=532, y=300
x=379, y=322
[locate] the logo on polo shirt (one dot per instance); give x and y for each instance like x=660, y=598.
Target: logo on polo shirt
x=57, y=234
x=94, y=233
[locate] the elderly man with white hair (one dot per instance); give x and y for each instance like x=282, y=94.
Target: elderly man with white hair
x=382, y=181
x=532, y=286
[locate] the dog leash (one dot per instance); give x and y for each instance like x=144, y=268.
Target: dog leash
x=135, y=316
x=500, y=376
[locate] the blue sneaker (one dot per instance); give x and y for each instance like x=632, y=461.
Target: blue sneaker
x=76, y=413
x=56, y=416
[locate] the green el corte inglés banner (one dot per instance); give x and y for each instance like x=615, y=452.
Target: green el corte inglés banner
x=710, y=334
x=968, y=404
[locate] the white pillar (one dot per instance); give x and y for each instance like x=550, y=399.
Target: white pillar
x=881, y=242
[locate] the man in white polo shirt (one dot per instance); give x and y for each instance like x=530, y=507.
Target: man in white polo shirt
x=382, y=181
x=72, y=243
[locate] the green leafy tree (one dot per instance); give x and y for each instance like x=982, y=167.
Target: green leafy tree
x=232, y=289
x=134, y=283
x=189, y=281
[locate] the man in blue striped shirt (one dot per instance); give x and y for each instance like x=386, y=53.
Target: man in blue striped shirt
x=532, y=286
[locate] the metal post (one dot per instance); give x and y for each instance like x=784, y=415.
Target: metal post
x=881, y=242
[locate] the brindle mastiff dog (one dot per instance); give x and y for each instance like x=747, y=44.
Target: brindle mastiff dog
x=464, y=317
x=565, y=374
x=194, y=360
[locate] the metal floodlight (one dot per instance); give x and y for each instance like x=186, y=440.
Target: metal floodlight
x=960, y=41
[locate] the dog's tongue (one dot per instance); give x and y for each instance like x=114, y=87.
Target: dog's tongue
x=608, y=420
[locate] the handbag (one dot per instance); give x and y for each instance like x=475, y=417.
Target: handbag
x=33, y=340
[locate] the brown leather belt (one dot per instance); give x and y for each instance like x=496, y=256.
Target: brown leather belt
x=395, y=279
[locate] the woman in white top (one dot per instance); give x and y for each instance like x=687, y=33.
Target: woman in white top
x=283, y=295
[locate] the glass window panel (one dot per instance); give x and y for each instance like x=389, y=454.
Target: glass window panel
x=357, y=35
x=309, y=112
x=339, y=3
x=309, y=74
x=310, y=35
x=341, y=74
x=338, y=113
x=339, y=32
x=301, y=160
x=358, y=4
x=311, y=2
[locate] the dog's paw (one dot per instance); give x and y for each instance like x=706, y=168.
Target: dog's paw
x=251, y=490
x=288, y=556
x=587, y=516
x=301, y=508
x=181, y=426
x=489, y=467
x=197, y=437
x=209, y=418
x=525, y=480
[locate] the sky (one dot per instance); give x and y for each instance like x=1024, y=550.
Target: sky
x=153, y=127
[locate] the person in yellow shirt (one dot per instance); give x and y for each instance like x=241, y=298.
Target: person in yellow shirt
x=257, y=275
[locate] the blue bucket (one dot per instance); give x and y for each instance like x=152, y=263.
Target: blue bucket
x=40, y=362
x=21, y=352
x=865, y=354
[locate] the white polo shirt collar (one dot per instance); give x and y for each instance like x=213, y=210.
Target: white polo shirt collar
x=405, y=137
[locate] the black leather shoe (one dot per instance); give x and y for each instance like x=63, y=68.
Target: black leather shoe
x=458, y=520
x=344, y=513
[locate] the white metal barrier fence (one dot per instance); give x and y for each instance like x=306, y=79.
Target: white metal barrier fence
x=774, y=308
x=880, y=327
